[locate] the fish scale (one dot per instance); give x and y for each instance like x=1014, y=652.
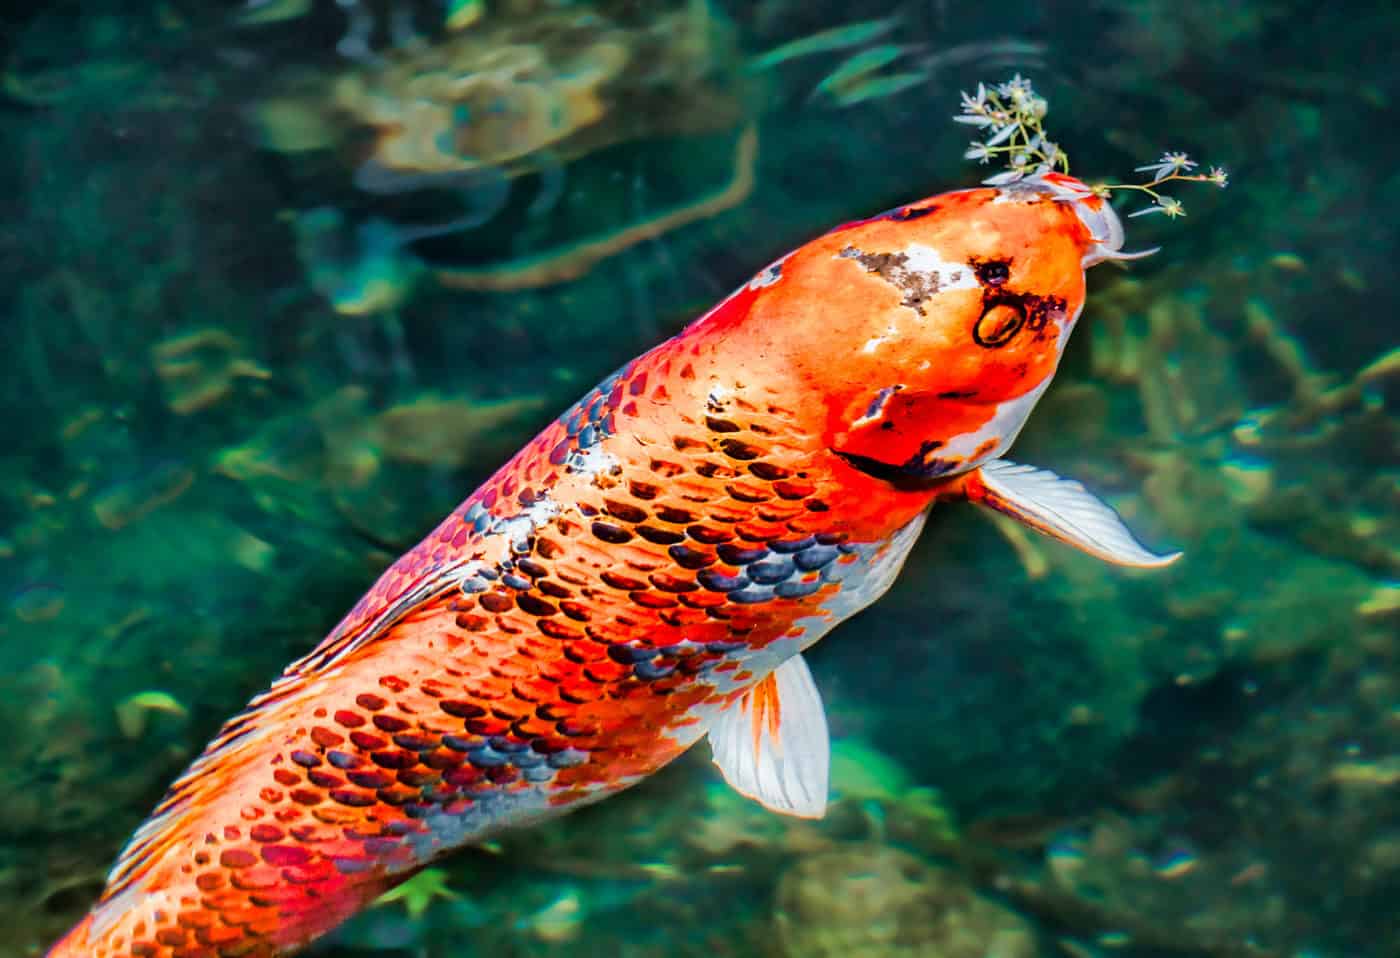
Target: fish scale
x=627, y=579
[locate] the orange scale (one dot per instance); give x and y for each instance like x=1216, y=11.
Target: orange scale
x=312, y=834
x=665, y=685
x=243, y=916
x=325, y=737
x=216, y=935
x=648, y=599
x=579, y=691
x=335, y=815
x=634, y=693
x=312, y=873
x=512, y=625
x=704, y=600
x=533, y=690
x=539, y=650
x=584, y=650
x=745, y=491
x=221, y=900
x=609, y=632
x=497, y=724
x=558, y=629
x=195, y=919
x=779, y=512
x=562, y=670
x=761, y=531
x=237, y=858
x=255, y=879
x=681, y=622
x=727, y=514
x=794, y=489
x=578, y=611
x=606, y=670
x=485, y=689
x=194, y=951
x=265, y=927
x=809, y=524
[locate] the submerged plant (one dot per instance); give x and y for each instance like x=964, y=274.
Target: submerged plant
x=1012, y=114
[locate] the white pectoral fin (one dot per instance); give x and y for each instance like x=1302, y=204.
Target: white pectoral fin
x=1063, y=509
x=772, y=743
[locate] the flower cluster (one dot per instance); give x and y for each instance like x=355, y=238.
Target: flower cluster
x=1012, y=116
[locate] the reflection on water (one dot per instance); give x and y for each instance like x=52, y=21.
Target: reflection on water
x=285, y=280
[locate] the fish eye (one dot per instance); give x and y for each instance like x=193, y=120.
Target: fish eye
x=998, y=325
x=992, y=272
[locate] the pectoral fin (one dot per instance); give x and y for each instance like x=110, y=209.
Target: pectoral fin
x=772, y=745
x=1060, y=508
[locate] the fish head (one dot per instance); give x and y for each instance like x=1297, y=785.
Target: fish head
x=935, y=327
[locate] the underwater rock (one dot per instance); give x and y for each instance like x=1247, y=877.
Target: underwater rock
x=127, y=502
x=880, y=902
x=200, y=368
x=38, y=602
x=437, y=431
x=463, y=113
x=135, y=711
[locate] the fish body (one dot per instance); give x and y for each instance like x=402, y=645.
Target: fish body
x=644, y=573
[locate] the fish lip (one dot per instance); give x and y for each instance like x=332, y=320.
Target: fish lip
x=1094, y=211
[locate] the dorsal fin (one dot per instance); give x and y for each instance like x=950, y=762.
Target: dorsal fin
x=368, y=621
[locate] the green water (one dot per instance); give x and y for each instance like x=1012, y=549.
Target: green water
x=235, y=391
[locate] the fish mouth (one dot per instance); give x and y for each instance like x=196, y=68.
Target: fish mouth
x=919, y=471
x=1094, y=211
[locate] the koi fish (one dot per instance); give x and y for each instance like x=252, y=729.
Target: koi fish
x=643, y=574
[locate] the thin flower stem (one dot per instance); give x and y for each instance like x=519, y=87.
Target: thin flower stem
x=1012, y=115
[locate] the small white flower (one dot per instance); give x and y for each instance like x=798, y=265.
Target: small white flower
x=1169, y=163
x=1165, y=204
x=1003, y=134
x=975, y=104
x=1017, y=89
x=974, y=120
x=1001, y=179
x=1219, y=177
x=978, y=152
